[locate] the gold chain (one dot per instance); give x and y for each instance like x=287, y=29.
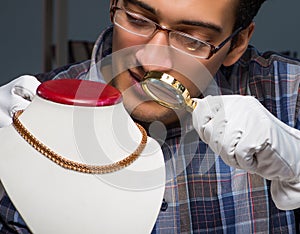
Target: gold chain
x=76, y=166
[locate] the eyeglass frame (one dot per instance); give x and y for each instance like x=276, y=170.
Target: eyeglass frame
x=213, y=49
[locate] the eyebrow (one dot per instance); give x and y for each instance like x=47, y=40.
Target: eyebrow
x=141, y=4
x=152, y=10
x=202, y=24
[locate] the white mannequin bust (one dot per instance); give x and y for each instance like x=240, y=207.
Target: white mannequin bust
x=89, y=130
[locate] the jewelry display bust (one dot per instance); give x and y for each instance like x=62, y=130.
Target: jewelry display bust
x=85, y=123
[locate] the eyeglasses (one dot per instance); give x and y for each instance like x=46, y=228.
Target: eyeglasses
x=141, y=26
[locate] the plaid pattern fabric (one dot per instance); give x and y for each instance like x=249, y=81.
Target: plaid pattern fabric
x=203, y=194
x=10, y=219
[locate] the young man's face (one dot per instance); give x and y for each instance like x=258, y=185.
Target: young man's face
x=208, y=20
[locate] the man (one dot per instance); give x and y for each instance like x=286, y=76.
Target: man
x=215, y=183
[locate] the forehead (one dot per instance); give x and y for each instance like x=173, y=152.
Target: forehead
x=218, y=12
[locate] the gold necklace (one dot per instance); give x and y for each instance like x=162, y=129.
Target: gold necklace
x=76, y=166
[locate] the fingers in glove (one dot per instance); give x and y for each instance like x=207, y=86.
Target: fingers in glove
x=25, y=87
x=20, y=105
x=205, y=110
x=6, y=115
x=23, y=92
x=246, y=153
x=222, y=140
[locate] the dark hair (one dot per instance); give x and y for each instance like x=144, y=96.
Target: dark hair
x=246, y=11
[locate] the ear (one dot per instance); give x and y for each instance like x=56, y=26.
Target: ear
x=112, y=3
x=241, y=45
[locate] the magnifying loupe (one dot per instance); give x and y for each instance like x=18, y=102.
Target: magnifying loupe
x=167, y=91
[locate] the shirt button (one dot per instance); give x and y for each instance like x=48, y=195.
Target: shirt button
x=164, y=205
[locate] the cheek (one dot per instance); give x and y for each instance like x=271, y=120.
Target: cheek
x=215, y=62
x=194, y=75
x=206, y=75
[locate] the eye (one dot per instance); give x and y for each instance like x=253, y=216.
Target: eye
x=193, y=44
x=137, y=20
x=189, y=43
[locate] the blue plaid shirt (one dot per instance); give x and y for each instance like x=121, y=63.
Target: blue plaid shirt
x=203, y=194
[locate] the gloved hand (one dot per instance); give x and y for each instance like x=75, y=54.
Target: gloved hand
x=16, y=95
x=249, y=137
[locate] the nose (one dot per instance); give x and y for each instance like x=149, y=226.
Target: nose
x=156, y=54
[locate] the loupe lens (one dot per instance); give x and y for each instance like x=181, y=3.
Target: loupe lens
x=163, y=93
x=167, y=91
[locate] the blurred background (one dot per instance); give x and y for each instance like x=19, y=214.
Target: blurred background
x=37, y=35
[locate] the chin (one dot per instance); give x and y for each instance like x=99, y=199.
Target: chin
x=150, y=111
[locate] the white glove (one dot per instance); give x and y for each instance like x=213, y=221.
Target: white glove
x=16, y=95
x=247, y=136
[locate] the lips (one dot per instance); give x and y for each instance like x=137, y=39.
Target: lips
x=136, y=85
x=135, y=76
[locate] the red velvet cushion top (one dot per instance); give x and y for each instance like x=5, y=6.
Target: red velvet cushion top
x=79, y=92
